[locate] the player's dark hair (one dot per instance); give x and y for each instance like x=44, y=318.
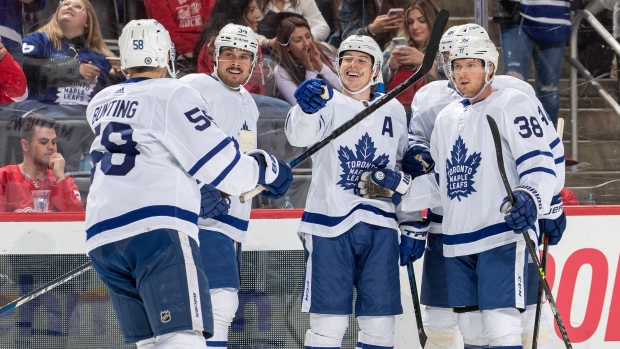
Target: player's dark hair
x=223, y=12
x=26, y=130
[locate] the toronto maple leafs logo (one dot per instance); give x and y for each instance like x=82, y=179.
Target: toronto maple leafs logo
x=355, y=163
x=461, y=170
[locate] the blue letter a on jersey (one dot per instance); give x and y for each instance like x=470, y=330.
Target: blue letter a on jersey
x=387, y=126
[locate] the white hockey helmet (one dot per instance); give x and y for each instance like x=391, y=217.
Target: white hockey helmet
x=146, y=43
x=446, y=39
x=239, y=37
x=365, y=44
x=472, y=29
x=472, y=47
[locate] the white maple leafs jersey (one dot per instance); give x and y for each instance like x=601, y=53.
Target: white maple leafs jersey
x=232, y=111
x=378, y=141
x=467, y=174
x=153, y=140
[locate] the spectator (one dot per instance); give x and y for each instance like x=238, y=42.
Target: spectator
x=307, y=8
x=184, y=20
x=368, y=17
x=541, y=31
x=43, y=168
x=300, y=58
x=243, y=12
x=568, y=197
x=65, y=61
x=11, y=24
x=12, y=79
x=401, y=63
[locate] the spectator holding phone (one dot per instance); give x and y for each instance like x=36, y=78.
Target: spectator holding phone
x=404, y=54
x=369, y=17
x=300, y=58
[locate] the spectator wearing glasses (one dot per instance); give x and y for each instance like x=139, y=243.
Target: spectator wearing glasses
x=301, y=58
x=65, y=61
x=43, y=168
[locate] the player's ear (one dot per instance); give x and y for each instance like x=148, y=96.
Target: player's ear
x=25, y=145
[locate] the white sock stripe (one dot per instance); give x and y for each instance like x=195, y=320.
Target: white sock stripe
x=192, y=283
x=306, y=300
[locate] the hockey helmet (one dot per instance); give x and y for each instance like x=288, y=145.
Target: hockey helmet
x=146, y=43
x=446, y=40
x=472, y=29
x=239, y=37
x=471, y=47
x=365, y=44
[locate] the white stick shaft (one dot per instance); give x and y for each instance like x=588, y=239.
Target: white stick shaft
x=560, y=128
x=250, y=194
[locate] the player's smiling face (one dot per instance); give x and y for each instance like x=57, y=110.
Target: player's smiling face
x=234, y=66
x=469, y=76
x=355, y=70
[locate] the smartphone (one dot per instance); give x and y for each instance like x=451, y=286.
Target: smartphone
x=396, y=13
x=399, y=42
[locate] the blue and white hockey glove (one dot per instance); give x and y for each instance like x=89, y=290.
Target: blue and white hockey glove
x=412, y=240
x=522, y=216
x=553, y=223
x=311, y=97
x=211, y=202
x=418, y=161
x=375, y=182
x=274, y=175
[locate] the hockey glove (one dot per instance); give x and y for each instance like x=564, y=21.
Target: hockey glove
x=418, y=161
x=397, y=184
x=412, y=240
x=553, y=223
x=211, y=202
x=274, y=175
x=522, y=216
x=310, y=95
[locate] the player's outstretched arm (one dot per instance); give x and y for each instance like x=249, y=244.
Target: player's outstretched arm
x=309, y=121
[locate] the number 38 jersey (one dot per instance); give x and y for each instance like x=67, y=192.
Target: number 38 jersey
x=153, y=140
x=470, y=185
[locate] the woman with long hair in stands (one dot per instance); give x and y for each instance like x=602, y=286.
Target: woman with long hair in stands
x=65, y=61
x=299, y=58
x=402, y=62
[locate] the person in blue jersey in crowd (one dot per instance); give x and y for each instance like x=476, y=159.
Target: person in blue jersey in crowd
x=349, y=241
x=540, y=31
x=65, y=61
x=142, y=243
x=11, y=23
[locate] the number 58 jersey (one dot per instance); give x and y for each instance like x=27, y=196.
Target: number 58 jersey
x=153, y=141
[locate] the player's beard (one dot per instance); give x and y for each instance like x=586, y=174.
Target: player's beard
x=237, y=82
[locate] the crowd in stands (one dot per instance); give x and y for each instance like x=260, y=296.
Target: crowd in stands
x=56, y=69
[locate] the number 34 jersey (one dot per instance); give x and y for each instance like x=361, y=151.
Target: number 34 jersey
x=470, y=185
x=153, y=140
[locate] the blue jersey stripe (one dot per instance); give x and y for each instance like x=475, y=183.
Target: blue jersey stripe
x=532, y=154
x=477, y=235
x=554, y=143
x=321, y=219
x=227, y=170
x=233, y=221
x=371, y=346
x=559, y=160
x=209, y=155
x=139, y=214
x=434, y=217
x=537, y=169
x=218, y=344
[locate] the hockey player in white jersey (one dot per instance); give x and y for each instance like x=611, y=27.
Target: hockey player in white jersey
x=486, y=255
x=235, y=113
x=349, y=241
x=153, y=141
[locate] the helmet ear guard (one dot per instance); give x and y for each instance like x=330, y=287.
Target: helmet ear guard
x=146, y=43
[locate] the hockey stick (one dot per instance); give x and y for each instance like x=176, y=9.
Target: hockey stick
x=530, y=245
x=425, y=67
x=47, y=287
x=543, y=260
x=416, y=304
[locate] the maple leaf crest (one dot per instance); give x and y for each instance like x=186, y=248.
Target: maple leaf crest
x=460, y=171
x=353, y=164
